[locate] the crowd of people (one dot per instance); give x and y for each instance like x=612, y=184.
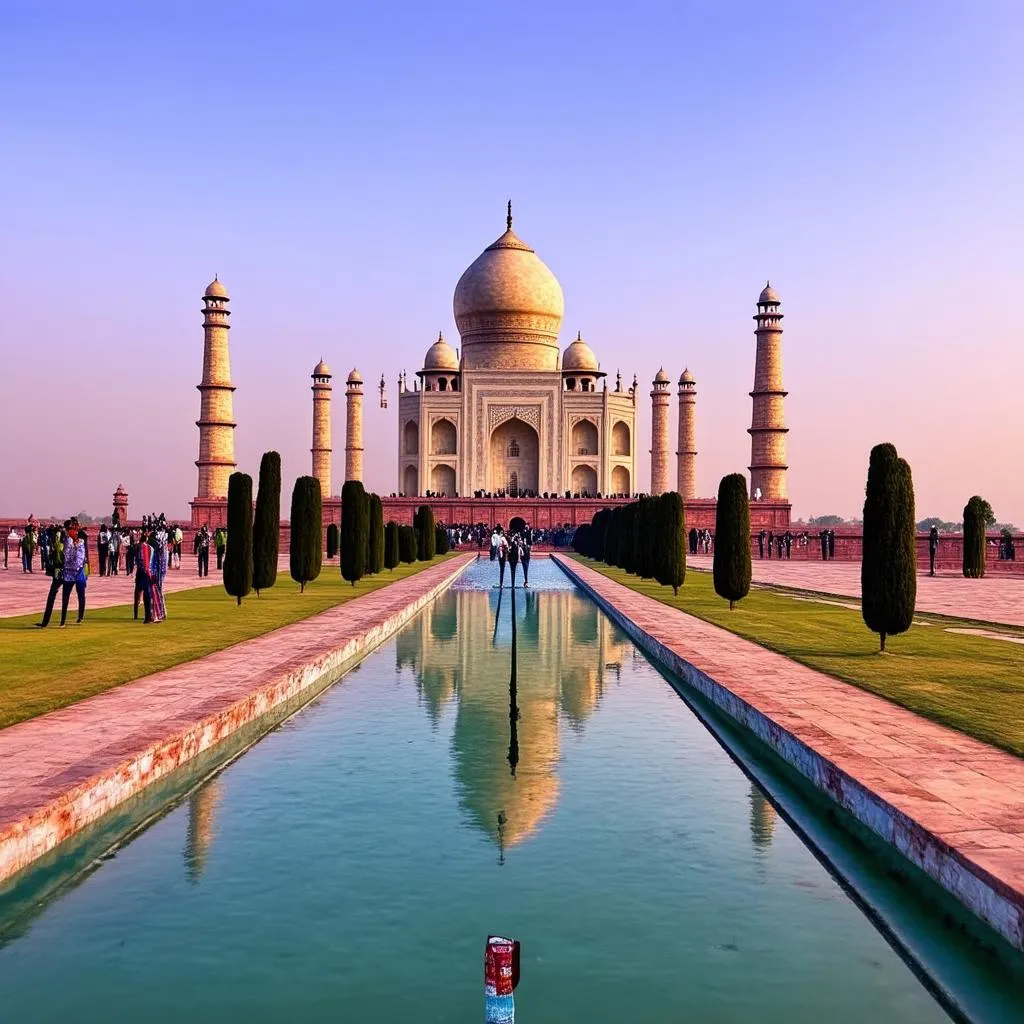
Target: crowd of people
x=144, y=553
x=512, y=549
x=470, y=535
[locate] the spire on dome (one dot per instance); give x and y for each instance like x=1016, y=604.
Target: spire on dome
x=508, y=218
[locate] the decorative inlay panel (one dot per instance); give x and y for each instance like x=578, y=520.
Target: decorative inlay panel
x=498, y=414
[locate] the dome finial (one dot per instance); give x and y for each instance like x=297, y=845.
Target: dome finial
x=508, y=218
x=579, y=335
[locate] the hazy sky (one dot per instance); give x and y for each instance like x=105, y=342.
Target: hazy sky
x=339, y=165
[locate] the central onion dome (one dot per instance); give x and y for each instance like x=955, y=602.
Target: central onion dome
x=508, y=308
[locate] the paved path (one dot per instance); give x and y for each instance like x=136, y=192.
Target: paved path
x=958, y=802
x=25, y=594
x=997, y=599
x=63, y=770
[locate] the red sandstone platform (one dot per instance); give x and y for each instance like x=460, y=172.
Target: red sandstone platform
x=950, y=804
x=62, y=771
x=996, y=599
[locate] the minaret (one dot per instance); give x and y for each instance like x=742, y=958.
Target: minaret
x=354, y=426
x=661, y=456
x=686, y=456
x=216, y=424
x=322, y=426
x=767, y=427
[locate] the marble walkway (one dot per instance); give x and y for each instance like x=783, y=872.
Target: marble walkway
x=63, y=770
x=951, y=804
x=997, y=599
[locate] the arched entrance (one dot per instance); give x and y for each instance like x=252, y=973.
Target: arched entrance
x=584, y=480
x=621, y=441
x=443, y=438
x=442, y=481
x=620, y=481
x=411, y=482
x=584, y=438
x=412, y=438
x=515, y=458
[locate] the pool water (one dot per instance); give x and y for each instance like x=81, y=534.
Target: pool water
x=351, y=864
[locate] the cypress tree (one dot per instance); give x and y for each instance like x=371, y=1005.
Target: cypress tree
x=581, y=540
x=627, y=554
x=732, y=539
x=888, y=573
x=599, y=530
x=238, y=557
x=332, y=540
x=306, y=557
x=612, y=536
x=355, y=530
x=976, y=513
x=391, y=557
x=266, y=528
x=375, y=541
x=427, y=541
x=441, y=544
x=407, y=544
x=672, y=541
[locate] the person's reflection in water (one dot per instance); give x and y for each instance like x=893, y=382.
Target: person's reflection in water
x=513, y=716
x=200, y=829
x=762, y=818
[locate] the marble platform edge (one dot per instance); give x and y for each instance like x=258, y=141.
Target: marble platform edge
x=43, y=829
x=991, y=899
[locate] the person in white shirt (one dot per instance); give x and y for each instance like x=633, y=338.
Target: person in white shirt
x=13, y=537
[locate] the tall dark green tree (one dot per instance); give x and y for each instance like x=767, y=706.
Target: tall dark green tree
x=671, y=541
x=888, y=572
x=628, y=543
x=305, y=557
x=732, y=539
x=581, y=539
x=407, y=544
x=332, y=540
x=391, y=555
x=355, y=530
x=599, y=530
x=977, y=513
x=441, y=543
x=238, y=557
x=427, y=541
x=266, y=528
x=375, y=541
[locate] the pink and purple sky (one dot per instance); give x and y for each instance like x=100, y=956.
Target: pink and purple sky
x=339, y=165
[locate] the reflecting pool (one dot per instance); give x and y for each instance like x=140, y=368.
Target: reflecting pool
x=350, y=865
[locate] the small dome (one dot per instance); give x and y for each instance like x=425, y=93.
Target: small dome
x=661, y=377
x=579, y=358
x=686, y=377
x=441, y=356
x=355, y=377
x=215, y=290
x=321, y=369
x=768, y=294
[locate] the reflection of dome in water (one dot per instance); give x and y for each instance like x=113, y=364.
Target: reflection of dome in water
x=202, y=805
x=437, y=687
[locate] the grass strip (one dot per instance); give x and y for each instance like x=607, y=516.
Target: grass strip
x=971, y=683
x=46, y=669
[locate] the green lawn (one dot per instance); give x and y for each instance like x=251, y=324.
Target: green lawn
x=971, y=683
x=45, y=669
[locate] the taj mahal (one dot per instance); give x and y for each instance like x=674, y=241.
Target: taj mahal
x=510, y=415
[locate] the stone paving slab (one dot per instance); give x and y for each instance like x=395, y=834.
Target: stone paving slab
x=950, y=804
x=62, y=771
x=997, y=599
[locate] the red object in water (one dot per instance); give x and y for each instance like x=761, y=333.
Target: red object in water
x=501, y=966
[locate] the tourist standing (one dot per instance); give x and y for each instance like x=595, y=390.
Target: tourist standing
x=203, y=551
x=114, y=555
x=73, y=574
x=103, y=547
x=831, y=544
x=144, y=555
x=57, y=576
x=933, y=548
x=220, y=542
x=524, y=555
x=28, y=548
x=13, y=537
x=760, y=543
x=159, y=540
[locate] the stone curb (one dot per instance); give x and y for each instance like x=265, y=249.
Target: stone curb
x=988, y=897
x=26, y=840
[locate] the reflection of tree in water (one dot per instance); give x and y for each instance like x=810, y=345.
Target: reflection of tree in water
x=199, y=833
x=762, y=818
